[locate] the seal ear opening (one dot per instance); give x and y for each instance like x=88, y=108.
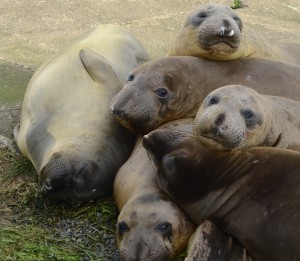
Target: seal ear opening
x=96, y=66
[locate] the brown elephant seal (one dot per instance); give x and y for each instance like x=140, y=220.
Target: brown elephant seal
x=66, y=128
x=150, y=226
x=237, y=117
x=171, y=88
x=216, y=32
x=250, y=194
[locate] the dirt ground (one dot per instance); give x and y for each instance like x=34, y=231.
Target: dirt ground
x=31, y=31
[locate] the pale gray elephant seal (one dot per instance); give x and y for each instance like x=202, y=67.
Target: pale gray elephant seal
x=237, y=117
x=150, y=226
x=250, y=194
x=171, y=88
x=209, y=243
x=66, y=128
x=216, y=32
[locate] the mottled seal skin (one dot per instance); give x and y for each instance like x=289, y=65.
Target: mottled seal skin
x=66, y=128
x=150, y=226
x=216, y=32
x=171, y=88
x=209, y=243
x=237, y=117
x=250, y=194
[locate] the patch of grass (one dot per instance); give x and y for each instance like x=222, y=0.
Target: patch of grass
x=237, y=4
x=18, y=179
x=19, y=167
x=33, y=243
x=31, y=228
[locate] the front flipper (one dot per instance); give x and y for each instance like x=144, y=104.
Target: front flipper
x=97, y=66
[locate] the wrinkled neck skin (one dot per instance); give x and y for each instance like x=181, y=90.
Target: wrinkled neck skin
x=254, y=44
x=190, y=91
x=275, y=132
x=285, y=131
x=223, y=178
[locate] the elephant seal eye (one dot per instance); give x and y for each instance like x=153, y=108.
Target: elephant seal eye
x=164, y=228
x=122, y=227
x=130, y=78
x=202, y=15
x=161, y=92
x=248, y=115
x=212, y=101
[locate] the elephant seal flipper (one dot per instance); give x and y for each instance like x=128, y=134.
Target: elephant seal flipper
x=208, y=243
x=16, y=131
x=96, y=65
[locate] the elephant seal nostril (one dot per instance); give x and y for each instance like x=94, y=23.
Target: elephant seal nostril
x=47, y=187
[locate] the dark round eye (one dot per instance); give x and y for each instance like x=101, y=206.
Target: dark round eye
x=236, y=18
x=248, y=115
x=130, y=78
x=164, y=227
x=212, y=100
x=161, y=92
x=122, y=227
x=202, y=15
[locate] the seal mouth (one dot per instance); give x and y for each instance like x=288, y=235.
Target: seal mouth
x=134, y=125
x=216, y=142
x=210, y=142
x=232, y=45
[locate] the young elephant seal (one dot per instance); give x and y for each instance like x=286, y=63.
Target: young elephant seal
x=250, y=194
x=150, y=226
x=216, y=32
x=237, y=117
x=66, y=128
x=171, y=88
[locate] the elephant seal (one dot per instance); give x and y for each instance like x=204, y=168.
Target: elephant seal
x=171, y=88
x=66, y=128
x=237, y=117
x=150, y=226
x=209, y=243
x=250, y=194
x=216, y=32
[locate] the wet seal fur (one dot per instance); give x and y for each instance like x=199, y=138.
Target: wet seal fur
x=171, y=88
x=66, y=128
x=150, y=226
x=237, y=117
x=250, y=194
x=216, y=32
